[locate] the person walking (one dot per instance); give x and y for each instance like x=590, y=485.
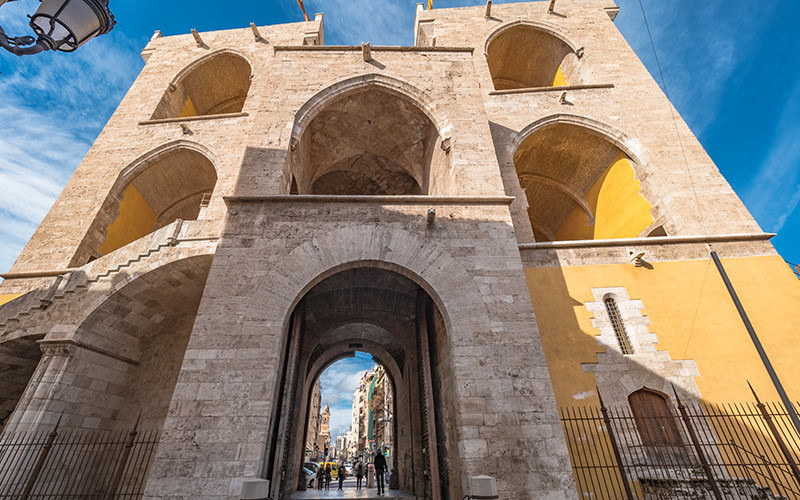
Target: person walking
x=328, y=476
x=320, y=477
x=380, y=467
x=359, y=471
x=341, y=474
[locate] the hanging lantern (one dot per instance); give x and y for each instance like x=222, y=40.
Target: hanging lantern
x=62, y=25
x=65, y=25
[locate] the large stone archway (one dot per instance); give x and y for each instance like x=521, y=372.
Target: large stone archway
x=122, y=357
x=387, y=314
x=239, y=383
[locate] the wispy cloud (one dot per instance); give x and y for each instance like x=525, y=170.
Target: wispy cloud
x=700, y=46
x=52, y=106
x=355, y=21
x=774, y=193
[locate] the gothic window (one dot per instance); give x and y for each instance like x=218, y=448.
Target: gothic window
x=523, y=56
x=172, y=185
x=580, y=185
x=217, y=84
x=619, y=325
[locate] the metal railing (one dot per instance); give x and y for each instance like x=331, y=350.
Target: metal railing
x=79, y=464
x=697, y=451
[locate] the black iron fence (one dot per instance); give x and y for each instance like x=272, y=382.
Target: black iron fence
x=80, y=464
x=697, y=451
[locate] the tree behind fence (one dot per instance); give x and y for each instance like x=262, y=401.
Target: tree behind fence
x=739, y=451
x=75, y=464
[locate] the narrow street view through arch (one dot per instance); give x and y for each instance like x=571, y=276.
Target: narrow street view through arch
x=351, y=422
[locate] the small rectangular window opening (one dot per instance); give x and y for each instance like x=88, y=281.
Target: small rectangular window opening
x=619, y=326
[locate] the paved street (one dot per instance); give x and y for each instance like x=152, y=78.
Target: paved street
x=349, y=491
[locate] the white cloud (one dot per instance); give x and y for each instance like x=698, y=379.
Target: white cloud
x=774, y=192
x=52, y=106
x=700, y=45
x=355, y=21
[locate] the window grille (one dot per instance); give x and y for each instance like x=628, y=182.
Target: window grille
x=619, y=325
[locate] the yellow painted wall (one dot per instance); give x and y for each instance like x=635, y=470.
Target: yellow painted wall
x=188, y=108
x=616, y=201
x=135, y=220
x=673, y=293
x=8, y=297
x=559, y=80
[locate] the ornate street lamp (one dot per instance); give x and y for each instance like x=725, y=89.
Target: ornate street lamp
x=61, y=25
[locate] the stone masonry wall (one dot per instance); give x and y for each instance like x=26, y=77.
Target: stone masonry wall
x=634, y=112
x=272, y=252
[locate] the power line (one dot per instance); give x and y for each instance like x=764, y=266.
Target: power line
x=674, y=119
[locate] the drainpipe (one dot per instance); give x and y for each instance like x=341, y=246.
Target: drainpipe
x=757, y=343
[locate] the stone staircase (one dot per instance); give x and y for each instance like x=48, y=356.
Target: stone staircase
x=13, y=313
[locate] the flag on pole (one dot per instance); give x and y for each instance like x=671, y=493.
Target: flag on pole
x=305, y=14
x=430, y=4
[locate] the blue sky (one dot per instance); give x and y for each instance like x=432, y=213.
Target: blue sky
x=732, y=69
x=338, y=382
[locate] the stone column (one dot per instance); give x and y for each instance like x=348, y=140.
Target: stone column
x=81, y=384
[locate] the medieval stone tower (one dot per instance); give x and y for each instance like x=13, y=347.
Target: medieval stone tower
x=503, y=214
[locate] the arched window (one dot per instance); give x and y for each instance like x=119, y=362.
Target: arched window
x=216, y=85
x=580, y=186
x=619, y=326
x=654, y=419
x=523, y=56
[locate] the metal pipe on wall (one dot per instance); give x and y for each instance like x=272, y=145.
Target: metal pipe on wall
x=757, y=343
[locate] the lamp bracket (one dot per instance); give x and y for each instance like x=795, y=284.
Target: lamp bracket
x=20, y=45
x=21, y=41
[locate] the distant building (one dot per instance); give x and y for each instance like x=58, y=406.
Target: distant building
x=371, y=425
x=340, y=447
x=314, y=423
x=324, y=440
x=381, y=411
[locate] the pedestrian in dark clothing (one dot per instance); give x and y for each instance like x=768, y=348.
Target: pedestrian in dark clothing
x=342, y=473
x=380, y=467
x=320, y=477
x=359, y=470
x=328, y=477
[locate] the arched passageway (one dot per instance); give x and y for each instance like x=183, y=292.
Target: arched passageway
x=524, y=56
x=18, y=360
x=155, y=192
x=124, y=358
x=215, y=85
x=370, y=141
x=351, y=413
x=580, y=186
x=390, y=316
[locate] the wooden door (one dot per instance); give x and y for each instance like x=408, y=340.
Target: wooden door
x=654, y=419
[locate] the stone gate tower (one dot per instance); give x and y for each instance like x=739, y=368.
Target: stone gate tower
x=502, y=214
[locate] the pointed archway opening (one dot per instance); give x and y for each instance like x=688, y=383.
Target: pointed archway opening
x=370, y=141
x=524, y=56
x=391, y=318
x=350, y=419
x=580, y=185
